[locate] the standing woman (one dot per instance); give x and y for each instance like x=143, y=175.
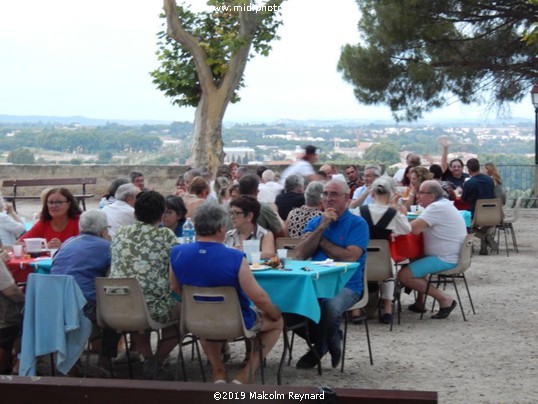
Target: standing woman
x=491, y=170
x=58, y=220
x=174, y=214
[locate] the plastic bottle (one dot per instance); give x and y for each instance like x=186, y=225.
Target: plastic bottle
x=188, y=231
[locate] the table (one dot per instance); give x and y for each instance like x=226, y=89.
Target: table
x=297, y=291
x=20, y=268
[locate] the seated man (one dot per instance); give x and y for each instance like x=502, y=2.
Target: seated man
x=342, y=236
x=121, y=212
x=233, y=270
x=11, y=302
x=86, y=257
x=444, y=232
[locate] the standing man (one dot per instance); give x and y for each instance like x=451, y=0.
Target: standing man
x=363, y=195
x=444, y=232
x=303, y=166
x=342, y=236
x=480, y=186
x=411, y=160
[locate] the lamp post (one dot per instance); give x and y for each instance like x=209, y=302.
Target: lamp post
x=534, y=97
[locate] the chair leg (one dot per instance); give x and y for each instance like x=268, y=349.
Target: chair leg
x=426, y=295
x=368, y=339
x=344, y=342
x=283, y=357
x=128, y=355
x=468, y=292
x=458, y=296
x=506, y=242
x=513, y=234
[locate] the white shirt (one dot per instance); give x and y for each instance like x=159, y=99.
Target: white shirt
x=398, y=175
x=10, y=229
x=267, y=192
x=119, y=214
x=445, y=232
x=361, y=190
x=300, y=167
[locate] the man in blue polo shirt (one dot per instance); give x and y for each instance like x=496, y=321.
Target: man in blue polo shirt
x=342, y=236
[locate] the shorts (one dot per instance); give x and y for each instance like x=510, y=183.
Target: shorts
x=257, y=326
x=429, y=265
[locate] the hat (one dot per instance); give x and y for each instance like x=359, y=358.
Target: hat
x=311, y=150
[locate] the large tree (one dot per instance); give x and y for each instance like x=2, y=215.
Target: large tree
x=417, y=55
x=203, y=56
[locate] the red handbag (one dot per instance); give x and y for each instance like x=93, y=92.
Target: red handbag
x=408, y=246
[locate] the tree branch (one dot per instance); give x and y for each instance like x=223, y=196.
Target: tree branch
x=177, y=32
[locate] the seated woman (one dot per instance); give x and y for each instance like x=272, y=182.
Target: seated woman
x=174, y=214
x=109, y=198
x=491, y=170
x=58, y=219
x=11, y=302
x=141, y=251
x=244, y=211
x=417, y=176
x=11, y=225
x=384, y=218
x=299, y=217
x=233, y=270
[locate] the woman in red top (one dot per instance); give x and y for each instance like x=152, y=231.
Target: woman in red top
x=59, y=218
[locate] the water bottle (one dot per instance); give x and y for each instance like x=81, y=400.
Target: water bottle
x=188, y=231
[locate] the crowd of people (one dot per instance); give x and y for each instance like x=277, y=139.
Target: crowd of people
x=135, y=233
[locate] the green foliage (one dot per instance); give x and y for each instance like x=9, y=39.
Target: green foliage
x=414, y=55
x=220, y=35
x=21, y=156
x=385, y=153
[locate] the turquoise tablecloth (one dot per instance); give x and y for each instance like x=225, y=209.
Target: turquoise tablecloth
x=297, y=291
x=464, y=213
x=294, y=291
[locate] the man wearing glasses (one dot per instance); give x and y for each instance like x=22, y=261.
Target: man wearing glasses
x=342, y=236
x=444, y=232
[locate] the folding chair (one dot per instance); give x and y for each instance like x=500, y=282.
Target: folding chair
x=510, y=217
x=489, y=213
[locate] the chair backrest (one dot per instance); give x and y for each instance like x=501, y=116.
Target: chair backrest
x=212, y=313
x=510, y=215
x=364, y=299
x=121, y=305
x=289, y=244
x=378, y=260
x=488, y=212
x=464, y=260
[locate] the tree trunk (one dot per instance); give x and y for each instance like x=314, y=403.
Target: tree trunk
x=207, y=147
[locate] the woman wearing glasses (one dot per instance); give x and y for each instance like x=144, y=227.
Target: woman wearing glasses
x=244, y=212
x=58, y=219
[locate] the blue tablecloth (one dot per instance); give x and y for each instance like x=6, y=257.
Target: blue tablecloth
x=297, y=291
x=42, y=265
x=464, y=213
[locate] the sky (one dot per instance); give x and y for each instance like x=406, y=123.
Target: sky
x=93, y=58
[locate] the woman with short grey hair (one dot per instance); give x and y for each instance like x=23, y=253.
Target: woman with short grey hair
x=299, y=217
x=292, y=197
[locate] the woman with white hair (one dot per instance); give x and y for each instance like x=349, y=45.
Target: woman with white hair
x=384, y=218
x=299, y=217
x=11, y=225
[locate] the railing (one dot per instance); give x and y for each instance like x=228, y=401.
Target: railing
x=519, y=181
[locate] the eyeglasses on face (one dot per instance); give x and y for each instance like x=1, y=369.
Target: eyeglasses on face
x=56, y=203
x=331, y=194
x=236, y=213
x=169, y=212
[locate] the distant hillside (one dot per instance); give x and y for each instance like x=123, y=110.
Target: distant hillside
x=68, y=120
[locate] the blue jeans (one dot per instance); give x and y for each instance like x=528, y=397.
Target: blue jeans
x=326, y=334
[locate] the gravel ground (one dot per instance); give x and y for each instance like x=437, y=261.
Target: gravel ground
x=492, y=357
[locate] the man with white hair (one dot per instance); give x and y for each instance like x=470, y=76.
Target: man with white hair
x=362, y=195
x=121, y=212
x=269, y=188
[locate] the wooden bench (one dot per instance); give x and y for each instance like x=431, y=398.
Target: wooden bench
x=45, y=183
